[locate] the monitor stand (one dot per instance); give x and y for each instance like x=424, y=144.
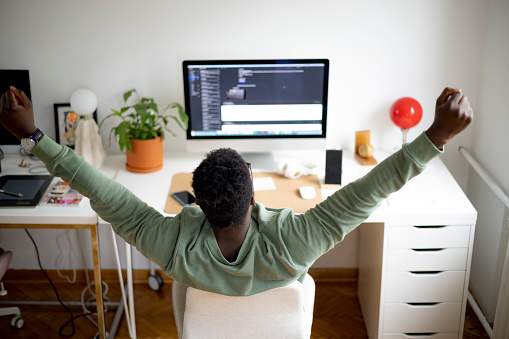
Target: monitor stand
x=260, y=160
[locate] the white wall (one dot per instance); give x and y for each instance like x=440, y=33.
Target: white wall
x=379, y=51
x=490, y=148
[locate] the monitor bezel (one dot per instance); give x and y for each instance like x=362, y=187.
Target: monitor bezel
x=187, y=99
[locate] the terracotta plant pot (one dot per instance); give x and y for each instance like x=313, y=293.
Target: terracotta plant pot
x=145, y=156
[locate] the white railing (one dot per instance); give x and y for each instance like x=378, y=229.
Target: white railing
x=485, y=176
x=500, y=325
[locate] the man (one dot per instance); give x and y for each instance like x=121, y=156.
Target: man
x=232, y=245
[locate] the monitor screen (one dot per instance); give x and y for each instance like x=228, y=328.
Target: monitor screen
x=255, y=100
x=19, y=79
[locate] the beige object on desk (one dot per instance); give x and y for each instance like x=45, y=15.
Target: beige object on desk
x=88, y=142
x=285, y=195
x=366, y=150
x=362, y=138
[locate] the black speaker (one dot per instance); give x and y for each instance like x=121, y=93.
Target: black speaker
x=333, y=166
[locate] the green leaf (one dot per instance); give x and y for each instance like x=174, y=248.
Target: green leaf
x=121, y=143
x=128, y=94
x=185, y=119
x=121, y=131
x=183, y=116
x=141, y=108
x=153, y=106
x=178, y=122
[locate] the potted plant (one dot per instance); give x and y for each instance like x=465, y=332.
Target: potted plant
x=142, y=129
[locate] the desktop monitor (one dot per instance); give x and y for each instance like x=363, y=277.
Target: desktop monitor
x=256, y=106
x=19, y=79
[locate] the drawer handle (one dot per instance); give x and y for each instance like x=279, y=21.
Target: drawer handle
x=422, y=304
x=434, y=226
x=427, y=249
x=426, y=272
x=420, y=335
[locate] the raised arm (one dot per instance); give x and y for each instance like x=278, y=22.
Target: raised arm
x=319, y=229
x=131, y=218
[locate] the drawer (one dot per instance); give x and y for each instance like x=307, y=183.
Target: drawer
x=428, y=236
x=420, y=335
x=405, y=286
x=406, y=318
x=446, y=259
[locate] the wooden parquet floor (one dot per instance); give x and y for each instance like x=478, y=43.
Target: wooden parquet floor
x=337, y=313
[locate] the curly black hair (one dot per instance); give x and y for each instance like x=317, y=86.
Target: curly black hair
x=223, y=187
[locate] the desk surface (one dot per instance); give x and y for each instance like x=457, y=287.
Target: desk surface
x=84, y=215
x=431, y=198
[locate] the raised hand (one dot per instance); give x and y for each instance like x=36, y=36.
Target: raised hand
x=452, y=115
x=16, y=113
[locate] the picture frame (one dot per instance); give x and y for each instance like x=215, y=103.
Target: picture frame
x=66, y=122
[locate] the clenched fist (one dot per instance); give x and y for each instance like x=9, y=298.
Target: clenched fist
x=452, y=115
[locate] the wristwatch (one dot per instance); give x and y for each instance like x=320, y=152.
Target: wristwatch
x=29, y=143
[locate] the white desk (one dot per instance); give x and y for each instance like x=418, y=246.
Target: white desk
x=52, y=217
x=415, y=250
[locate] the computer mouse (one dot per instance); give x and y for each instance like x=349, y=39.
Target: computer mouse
x=307, y=192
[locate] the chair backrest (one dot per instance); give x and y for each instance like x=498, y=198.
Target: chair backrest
x=284, y=312
x=5, y=260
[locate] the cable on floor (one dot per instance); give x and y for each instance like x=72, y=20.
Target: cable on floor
x=72, y=317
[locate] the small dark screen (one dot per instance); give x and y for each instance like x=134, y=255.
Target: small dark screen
x=31, y=186
x=333, y=166
x=28, y=188
x=185, y=197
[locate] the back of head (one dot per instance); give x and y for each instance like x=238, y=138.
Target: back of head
x=223, y=188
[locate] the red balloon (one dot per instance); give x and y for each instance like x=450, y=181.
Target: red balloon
x=406, y=112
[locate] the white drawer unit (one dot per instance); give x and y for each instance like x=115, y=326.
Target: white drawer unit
x=422, y=274
x=411, y=287
x=428, y=236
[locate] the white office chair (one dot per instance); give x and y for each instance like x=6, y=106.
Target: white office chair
x=5, y=260
x=283, y=312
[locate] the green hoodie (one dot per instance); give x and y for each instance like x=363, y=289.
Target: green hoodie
x=279, y=246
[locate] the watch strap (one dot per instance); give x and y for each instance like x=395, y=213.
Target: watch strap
x=37, y=136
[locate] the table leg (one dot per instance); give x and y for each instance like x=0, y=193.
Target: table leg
x=130, y=294
x=98, y=281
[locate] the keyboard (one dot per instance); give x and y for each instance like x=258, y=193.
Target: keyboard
x=264, y=184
